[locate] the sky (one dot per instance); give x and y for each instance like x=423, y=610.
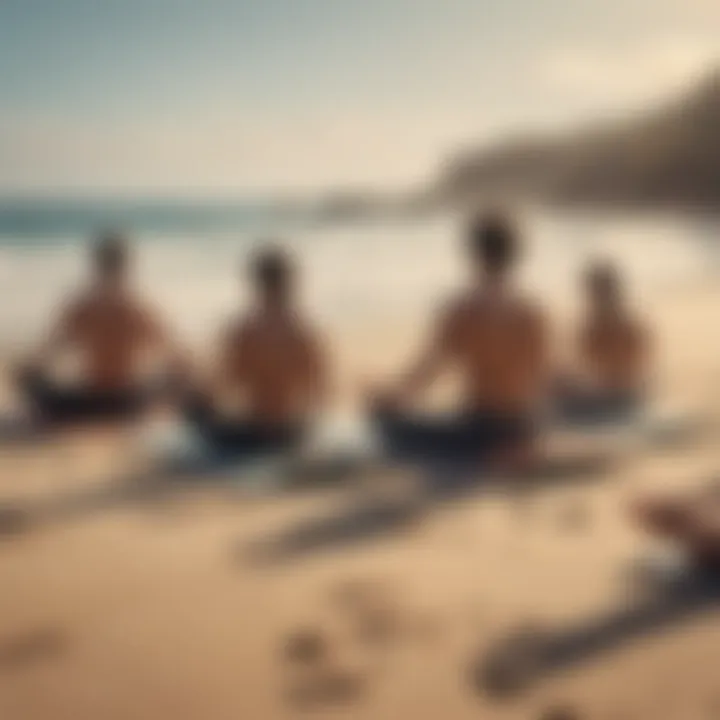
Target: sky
x=265, y=96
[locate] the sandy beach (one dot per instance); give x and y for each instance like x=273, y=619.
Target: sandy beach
x=309, y=218
x=154, y=606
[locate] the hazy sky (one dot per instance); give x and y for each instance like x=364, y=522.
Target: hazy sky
x=249, y=95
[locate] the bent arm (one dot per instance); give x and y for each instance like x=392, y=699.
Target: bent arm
x=421, y=374
x=644, y=356
x=539, y=357
x=62, y=334
x=228, y=367
x=430, y=362
x=160, y=341
x=317, y=372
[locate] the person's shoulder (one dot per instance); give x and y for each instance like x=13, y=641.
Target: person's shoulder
x=529, y=309
x=136, y=308
x=136, y=302
x=639, y=326
x=240, y=326
x=80, y=303
x=456, y=306
x=303, y=328
x=81, y=299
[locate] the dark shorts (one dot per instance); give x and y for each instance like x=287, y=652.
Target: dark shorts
x=55, y=403
x=237, y=436
x=588, y=406
x=463, y=436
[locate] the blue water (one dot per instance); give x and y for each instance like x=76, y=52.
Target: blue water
x=38, y=221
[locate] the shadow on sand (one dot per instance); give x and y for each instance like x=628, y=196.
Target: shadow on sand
x=524, y=658
x=245, y=478
x=369, y=517
x=20, y=432
x=272, y=477
x=32, y=647
x=276, y=477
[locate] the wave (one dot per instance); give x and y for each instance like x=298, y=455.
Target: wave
x=28, y=220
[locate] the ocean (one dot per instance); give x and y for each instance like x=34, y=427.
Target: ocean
x=191, y=258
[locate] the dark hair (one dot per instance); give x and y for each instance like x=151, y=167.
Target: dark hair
x=493, y=241
x=602, y=277
x=110, y=253
x=271, y=269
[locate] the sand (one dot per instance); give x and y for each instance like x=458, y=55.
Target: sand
x=155, y=606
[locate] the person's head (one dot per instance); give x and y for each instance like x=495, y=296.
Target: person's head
x=493, y=244
x=603, y=285
x=110, y=257
x=272, y=273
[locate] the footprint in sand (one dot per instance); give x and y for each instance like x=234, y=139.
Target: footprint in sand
x=560, y=712
x=305, y=646
x=31, y=647
x=13, y=522
x=376, y=616
x=377, y=626
x=331, y=687
x=316, y=681
x=355, y=594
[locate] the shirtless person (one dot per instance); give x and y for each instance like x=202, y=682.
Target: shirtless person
x=612, y=350
x=272, y=359
x=496, y=340
x=112, y=332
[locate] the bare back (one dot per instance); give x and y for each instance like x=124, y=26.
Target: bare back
x=111, y=333
x=275, y=361
x=497, y=344
x=614, y=351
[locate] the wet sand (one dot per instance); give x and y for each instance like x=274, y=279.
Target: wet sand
x=152, y=606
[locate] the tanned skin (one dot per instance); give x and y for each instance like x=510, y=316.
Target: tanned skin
x=271, y=355
x=490, y=334
x=108, y=325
